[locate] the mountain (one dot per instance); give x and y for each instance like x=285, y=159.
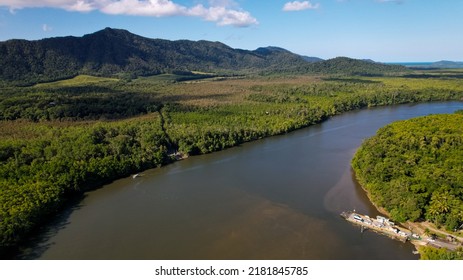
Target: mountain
x=111, y=52
x=311, y=58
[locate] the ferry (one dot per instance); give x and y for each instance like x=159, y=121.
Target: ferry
x=381, y=225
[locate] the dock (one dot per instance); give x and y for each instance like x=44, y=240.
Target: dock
x=380, y=225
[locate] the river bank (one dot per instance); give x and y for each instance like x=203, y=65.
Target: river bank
x=401, y=174
x=427, y=231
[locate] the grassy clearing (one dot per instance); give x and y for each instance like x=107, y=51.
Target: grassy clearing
x=79, y=80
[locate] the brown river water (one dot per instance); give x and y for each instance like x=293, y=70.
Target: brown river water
x=276, y=198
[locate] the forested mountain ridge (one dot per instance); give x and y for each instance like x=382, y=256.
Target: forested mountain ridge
x=111, y=52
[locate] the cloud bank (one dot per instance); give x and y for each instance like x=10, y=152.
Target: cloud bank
x=219, y=11
x=299, y=6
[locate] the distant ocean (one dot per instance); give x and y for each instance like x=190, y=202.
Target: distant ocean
x=412, y=64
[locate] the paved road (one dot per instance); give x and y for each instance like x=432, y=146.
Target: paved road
x=443, y=244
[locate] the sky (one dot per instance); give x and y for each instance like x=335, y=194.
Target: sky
x=382, y=30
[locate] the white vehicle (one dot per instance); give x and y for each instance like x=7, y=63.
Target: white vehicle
x=358, y=218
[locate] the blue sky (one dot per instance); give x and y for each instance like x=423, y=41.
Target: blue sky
x=382, y=30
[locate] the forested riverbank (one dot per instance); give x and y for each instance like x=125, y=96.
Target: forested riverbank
x=51, y=150
x=413, y=170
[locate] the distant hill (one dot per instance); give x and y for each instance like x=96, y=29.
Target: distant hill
x=447, y=64
x=111, y=52
x=345, y=65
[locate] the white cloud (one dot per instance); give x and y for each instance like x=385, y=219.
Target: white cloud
x=20, y=4
x=223, y=16
x=300, y=6
x=46, y=27
x=156, y=8
x=81, y=6
x=223, y=12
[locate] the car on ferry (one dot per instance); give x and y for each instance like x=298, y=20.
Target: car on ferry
x=358, y=218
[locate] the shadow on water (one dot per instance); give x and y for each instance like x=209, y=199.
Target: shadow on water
x=39, y=240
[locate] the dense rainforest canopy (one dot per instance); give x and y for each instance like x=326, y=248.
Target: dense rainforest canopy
x=431, y=253
x=414, y=169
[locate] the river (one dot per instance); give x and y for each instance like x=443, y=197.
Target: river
x=276, y=198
